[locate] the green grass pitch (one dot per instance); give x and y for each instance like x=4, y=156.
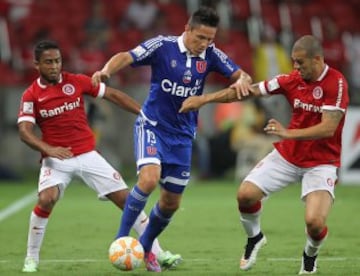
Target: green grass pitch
x=205, y=230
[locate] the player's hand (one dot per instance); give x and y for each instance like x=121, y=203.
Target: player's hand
x=242, y=87
x=192, y=103
x=99, y=76
x=59, y=152
x=276, y=128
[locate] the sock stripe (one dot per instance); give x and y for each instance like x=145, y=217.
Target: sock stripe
x=251, y=209
x=41, y=212
x=160, y=214
x=138, y=194
x=321, y=236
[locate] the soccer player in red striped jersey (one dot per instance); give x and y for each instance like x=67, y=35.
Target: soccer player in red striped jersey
x=309, y=151
x=55, y=102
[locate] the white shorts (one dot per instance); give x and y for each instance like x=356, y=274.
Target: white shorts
x=274, y=173
x=91, y=167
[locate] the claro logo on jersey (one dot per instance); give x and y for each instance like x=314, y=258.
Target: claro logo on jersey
x=307, y=106
x=178, y=90
x=46, y=113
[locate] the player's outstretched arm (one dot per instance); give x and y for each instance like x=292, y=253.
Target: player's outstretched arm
x=123, y=100
x=195, y=102
x=115, y=63
x=27, y=135
x=226, y=95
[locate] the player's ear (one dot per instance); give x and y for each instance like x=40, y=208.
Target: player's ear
x=318, y=59
x=36, y=64
x=187, y=28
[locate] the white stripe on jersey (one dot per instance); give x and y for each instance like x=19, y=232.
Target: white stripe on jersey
x=171, y=38
x=223, y=57
x=340, y=91
x=332, y=108
x=102, y=89
x=149, y=160
x=151, y=42
x=141, y=133
x=262, y=88
x=26, y=119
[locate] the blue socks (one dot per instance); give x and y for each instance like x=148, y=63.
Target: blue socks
x=134, y=204
x=157, y=223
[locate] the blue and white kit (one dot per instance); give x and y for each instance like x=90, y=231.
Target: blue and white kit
x=163, y=135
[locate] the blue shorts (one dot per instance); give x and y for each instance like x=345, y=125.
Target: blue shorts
x=171, y=151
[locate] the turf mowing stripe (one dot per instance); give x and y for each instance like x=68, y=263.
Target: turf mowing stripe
x=17, y=205
x=326, y=259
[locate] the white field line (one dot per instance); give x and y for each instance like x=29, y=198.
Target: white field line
x=17, y=205
x=325, y=259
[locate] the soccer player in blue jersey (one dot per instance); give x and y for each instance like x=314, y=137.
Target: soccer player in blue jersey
x=163, y=136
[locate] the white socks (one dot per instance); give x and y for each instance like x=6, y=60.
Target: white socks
x=251, y=223
x=37, y=227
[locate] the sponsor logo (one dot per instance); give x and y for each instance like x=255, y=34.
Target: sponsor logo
x=45, y=113
x=68, y=89
x=187, y=77
x=185, y=174
x=201, y=66
x=307, y=106
x=133, y=208
x=42, y=99
x=317, y=92
x=178, y=90
x=173, y=63
x=301, y=87
x=28, y=107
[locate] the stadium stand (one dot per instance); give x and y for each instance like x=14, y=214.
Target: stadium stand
x=27, y=21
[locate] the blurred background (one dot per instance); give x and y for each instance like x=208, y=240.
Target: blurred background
x=257, y=34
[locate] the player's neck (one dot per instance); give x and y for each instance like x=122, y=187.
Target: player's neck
x=318, y=72
x=46, y=82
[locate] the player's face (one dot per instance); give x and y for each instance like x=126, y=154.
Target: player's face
x=198, y=38
x=49, y=65
x=304, y=64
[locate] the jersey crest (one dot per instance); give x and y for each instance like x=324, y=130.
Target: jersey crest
x=201, y=66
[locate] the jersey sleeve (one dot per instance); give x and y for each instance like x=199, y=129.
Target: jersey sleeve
x=276, y=85
x=94, y=91
x=336, y=96
x=27, y=108
x=146, y=51
x=222, y=64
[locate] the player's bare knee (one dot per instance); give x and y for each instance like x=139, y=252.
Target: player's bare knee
x=48, y=197
x=247, y=195
x=314, y=225
x=169, y=207
x=148, y=182
x=47, y=200
x=148, y=185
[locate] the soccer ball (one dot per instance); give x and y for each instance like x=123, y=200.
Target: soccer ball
x=126, y=253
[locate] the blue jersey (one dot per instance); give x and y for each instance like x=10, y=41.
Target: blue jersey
x=176, y=75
